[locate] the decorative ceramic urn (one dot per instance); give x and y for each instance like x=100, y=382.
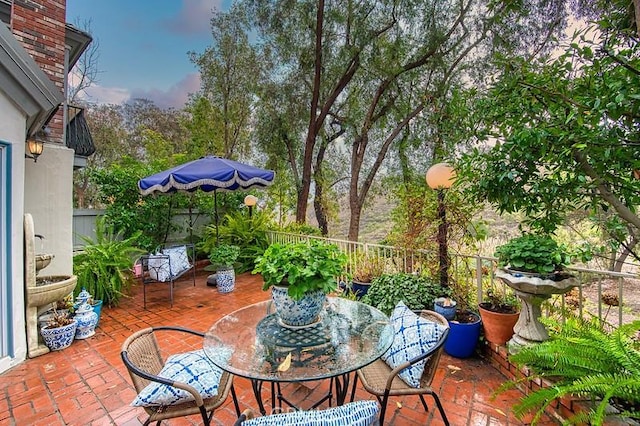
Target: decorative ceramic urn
x=87, y=320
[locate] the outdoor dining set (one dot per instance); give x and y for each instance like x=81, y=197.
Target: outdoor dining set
x=351, y=341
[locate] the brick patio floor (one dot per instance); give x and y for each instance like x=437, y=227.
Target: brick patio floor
x=87, y=384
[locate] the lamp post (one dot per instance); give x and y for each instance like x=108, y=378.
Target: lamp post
x=250, y=201
x=440, y=177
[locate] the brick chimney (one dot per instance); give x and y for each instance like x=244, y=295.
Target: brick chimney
x=40, y=26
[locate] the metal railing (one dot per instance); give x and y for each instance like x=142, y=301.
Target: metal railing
x=599, y=293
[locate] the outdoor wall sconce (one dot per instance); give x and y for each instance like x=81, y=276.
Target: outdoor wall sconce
x=35, y=144
x=250, y=201
x=440, y=177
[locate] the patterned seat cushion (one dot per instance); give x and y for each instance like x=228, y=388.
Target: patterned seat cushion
x=414, y=336
x=359, y=413
x=178, y=259
x=192, y=368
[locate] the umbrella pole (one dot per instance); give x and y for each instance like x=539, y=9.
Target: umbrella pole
x=215, y=206
x=166, y=232
x=191, y=219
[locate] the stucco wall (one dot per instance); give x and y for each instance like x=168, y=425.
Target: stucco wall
x=49, y=199
x=12, y=131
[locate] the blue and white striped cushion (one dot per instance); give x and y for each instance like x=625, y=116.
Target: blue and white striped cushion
x=192, y=368
x=414, y=335
x=359, y=413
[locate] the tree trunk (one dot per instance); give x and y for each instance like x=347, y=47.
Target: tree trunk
x=312, y=133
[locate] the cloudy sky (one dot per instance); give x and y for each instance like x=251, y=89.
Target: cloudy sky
x=143, y=47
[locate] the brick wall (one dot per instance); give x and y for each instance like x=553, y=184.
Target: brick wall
x=40, y=26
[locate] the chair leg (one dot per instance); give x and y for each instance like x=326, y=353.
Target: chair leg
x=353, y=389
x=205, y=418
x=383, y=407
x=235, y=400
x=440, y=408
x=424, y=403
x=171, y=292
x=144, y=295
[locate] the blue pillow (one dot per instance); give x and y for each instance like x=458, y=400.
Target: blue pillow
x=414, y=335
x=192, y=368
x=359, y=413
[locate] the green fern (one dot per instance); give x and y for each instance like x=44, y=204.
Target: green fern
x=583, y=360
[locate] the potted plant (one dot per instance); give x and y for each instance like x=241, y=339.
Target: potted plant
x=533, y=254
x=300, y=275
x=59, y=331
x=366, y=269
x=499, y=313
x=446, y=307
x=222, y=258
x=103, y=266
x=464, y=332
x=532, y=265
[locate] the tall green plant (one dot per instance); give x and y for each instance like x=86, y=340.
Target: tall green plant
x=584, y=361
x=238, y=229
x=104, y=265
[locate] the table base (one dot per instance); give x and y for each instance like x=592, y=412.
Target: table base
x=340, y=382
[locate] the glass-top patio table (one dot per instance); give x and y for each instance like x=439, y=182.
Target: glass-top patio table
x=251, y=342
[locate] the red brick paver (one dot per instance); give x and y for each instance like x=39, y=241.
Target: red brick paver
x=87, y=384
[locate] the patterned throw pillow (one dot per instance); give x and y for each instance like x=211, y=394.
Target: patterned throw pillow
x=359, y=413
x=178, y=259
x=192, y=368
x=159, y=267
x=414, y=335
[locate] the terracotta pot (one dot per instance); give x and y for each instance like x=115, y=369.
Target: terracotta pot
x=498, y=327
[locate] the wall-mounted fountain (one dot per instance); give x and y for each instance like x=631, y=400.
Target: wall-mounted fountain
x=40, y=291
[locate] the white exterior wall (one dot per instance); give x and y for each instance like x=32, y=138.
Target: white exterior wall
x=12, y=131
x=49, y=199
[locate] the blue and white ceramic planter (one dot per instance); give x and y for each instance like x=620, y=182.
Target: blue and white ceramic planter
x=86, y=319
x=226, y=279
x=59, y=337
x=297, y=313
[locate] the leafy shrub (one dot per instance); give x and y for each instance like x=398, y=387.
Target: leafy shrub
x=104, y=265
x=302, y=228
x=417, y=292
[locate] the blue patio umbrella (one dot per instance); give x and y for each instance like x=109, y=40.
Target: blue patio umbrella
x=208, y=174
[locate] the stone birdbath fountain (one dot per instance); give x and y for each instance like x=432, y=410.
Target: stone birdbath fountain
x=532, y=291
x=41, y=291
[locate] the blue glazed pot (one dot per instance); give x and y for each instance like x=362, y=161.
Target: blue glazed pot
x=297, y=313
x=463, y=338
x=97, y=308
x=449, y=312
x=59, y=337
x=359, y=289
x=226, y=280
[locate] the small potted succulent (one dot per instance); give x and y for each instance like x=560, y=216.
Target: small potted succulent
x=222, y=258
x=446, y=307
x=59, y=331
x=300, y=275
